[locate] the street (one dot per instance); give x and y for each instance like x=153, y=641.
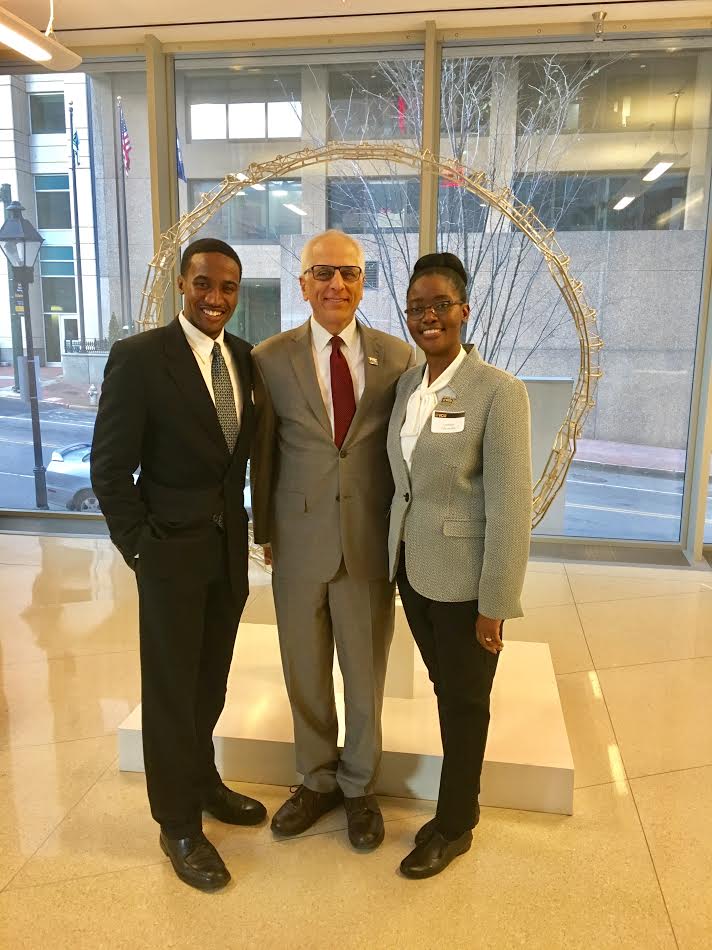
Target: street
x=605, y=503
x=60, y=427
x=601, y=502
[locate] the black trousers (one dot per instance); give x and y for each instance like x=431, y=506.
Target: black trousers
x=188, y=623
x=462, y=673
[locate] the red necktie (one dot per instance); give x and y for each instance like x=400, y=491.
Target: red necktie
x=342, y=391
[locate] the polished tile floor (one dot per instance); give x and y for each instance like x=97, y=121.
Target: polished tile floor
x=632, y=868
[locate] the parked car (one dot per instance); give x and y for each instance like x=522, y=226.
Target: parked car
x=69, y=485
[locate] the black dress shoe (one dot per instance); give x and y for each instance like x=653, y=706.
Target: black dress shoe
x=433, y=856
x=431, y=826
x=233, y=808
x=304, y=808
x=365, y=820
x=426, y=832
x=196, y=862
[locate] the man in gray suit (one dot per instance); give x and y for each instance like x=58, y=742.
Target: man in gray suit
x=321, y=490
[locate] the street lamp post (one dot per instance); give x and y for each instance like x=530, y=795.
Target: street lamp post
x=20, y=242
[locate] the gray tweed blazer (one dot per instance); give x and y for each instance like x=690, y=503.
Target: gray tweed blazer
x=464, y=511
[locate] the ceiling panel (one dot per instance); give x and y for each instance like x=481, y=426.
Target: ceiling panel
x=83, y=14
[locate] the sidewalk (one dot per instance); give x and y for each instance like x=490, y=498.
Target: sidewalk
x=644, y=458
x=55, y=391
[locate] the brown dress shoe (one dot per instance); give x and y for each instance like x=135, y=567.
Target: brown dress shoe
x=433, y=855
x=366, y=829
x=196, y=861
x=304, y=808
x=233, y=808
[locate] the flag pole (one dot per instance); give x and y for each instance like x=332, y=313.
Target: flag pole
x=124, y=273
x=77, y=243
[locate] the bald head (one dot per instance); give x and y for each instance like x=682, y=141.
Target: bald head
x=333, y=301
x=331, y=239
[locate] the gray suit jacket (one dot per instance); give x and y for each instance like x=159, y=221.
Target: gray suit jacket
x=464, y=510
x=314, y=503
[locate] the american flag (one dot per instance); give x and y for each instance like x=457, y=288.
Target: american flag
x=125, y=140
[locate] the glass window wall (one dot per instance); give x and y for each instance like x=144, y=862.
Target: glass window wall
x=47, y=114
x=576, y=201
x=365, y=205
x=257, y=316
x=237, y=104
x=635, y=91
x=53, y=208
x=612, y=150
x=85, y=292
x=258, y=215
x=375, y=101
x=278, y=110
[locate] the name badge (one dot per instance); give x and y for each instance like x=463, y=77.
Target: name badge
x=445, y=421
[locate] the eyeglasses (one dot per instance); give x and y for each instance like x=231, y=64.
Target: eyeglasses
x=439, y=309
x=324, y=272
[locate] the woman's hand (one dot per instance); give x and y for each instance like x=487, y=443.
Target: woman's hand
x=267, y=553
x=489, y=634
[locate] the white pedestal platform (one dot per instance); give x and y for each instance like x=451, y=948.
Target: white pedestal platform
x=528, y=763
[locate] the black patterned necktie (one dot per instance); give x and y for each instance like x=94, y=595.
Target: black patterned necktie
x=224, y=398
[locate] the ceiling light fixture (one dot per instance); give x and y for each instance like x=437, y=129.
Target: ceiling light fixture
x=657, y=171
x=598, y=17
x=296, y=210
x=655, y=168
x=31, y=43
x=660, y=162
x=623, y=202
x=10, y=37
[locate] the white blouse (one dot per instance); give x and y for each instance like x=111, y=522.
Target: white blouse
x=421, y=405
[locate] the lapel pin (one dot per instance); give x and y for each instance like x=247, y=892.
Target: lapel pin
x=446, y=400
x=373, y=360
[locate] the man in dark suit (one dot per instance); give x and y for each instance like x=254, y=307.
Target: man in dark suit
x=176, y=403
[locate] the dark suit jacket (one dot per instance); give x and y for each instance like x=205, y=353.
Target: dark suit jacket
x=156, y=414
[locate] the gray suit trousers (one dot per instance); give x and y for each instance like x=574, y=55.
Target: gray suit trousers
x=357, y=616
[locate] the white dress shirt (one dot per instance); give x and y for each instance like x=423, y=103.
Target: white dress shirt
x=422, y=404
x=202, y=347
x=353, y=354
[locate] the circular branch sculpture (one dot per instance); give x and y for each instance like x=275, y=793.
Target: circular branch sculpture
x=162, y=269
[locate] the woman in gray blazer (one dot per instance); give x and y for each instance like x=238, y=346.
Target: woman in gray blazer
x=458, y=444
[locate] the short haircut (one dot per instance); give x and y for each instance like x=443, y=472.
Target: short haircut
x=332, y=232
x=447, y=265
x=208, y=246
